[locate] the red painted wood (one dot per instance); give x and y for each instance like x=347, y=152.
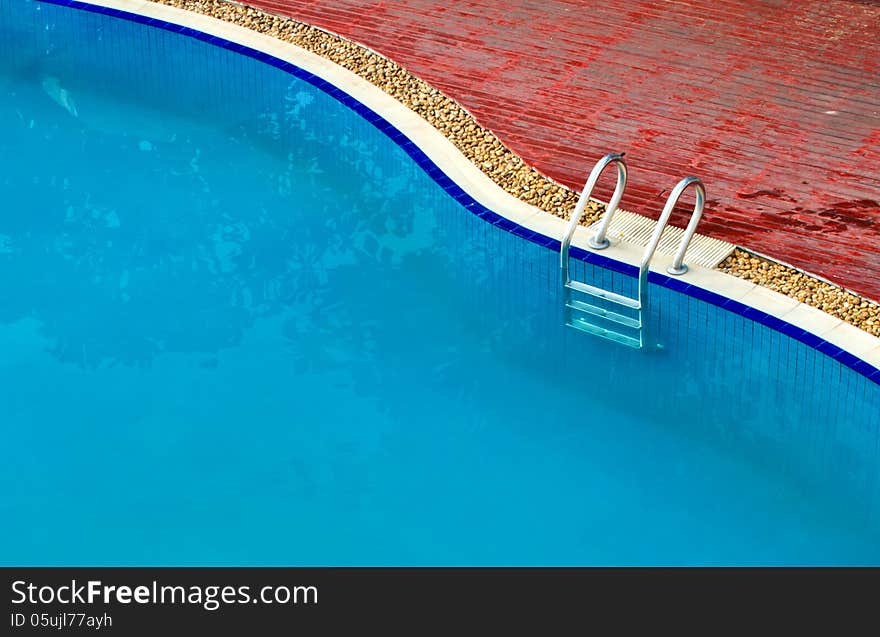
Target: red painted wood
x=775, y=104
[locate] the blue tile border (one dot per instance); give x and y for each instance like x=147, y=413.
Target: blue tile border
x=454, y=190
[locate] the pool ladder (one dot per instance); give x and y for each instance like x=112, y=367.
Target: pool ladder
x=621, y=319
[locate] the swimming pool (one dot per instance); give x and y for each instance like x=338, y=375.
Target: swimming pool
x=241, y=325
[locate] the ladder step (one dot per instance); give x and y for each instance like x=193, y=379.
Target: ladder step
x=604, y=294
x=605, y=314
x=611, y=335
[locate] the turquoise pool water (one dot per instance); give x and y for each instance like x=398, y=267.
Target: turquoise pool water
x=238, y=325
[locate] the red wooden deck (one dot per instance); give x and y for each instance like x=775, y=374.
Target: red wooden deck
x=774, y=103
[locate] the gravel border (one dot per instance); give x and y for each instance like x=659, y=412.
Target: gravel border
x=505, y=167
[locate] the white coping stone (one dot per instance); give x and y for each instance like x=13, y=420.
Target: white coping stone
x=732, y=287
x=478, y=185
x=770, y=301
x=813, y=320
x=855, y=342
x=872, y=357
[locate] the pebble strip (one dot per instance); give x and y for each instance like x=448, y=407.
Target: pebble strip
x=825, y=296
x=506, y=168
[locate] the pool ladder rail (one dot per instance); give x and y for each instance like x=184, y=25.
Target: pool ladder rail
x=623, y=318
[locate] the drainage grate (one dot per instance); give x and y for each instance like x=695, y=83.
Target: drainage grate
x=636, y=229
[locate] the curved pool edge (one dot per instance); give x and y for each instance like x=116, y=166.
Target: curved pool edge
x=475, y=191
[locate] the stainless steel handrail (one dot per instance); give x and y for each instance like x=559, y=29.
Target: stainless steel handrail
x=599, y=241
x=677, y=266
